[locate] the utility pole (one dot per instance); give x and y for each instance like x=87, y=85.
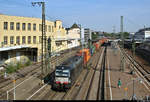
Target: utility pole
x=81, y=42
x=49, y=54
x=122, y=46
x=133, y=47
x=133, y=50
x=43, y=45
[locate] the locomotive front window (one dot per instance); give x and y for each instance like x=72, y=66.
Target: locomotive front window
x=59, y=73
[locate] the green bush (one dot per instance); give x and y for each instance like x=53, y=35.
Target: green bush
x=13, y=68
x=28, y=63
x=1, y=73
x=19, y=65
x=10, y=68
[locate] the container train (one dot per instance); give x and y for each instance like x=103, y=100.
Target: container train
x=67, y=72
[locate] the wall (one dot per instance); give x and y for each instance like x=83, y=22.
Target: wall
x=54, y=31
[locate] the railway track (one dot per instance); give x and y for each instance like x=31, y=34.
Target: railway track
x=137, y=67
x=73, y=93
x=86, y=81
x=97, y=86
x=34, y=71
x=98, y=64
x=47, y=93
x=101, y=88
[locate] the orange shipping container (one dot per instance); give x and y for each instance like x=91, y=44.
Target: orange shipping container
x=96, y=46
x=86, y=54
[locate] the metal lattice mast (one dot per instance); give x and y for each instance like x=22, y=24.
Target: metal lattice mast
x=44, y=38
x=122, y=46
x=48, y=63
x=43, y=45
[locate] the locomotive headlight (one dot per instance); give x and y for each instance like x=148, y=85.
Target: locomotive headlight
x=69, y=81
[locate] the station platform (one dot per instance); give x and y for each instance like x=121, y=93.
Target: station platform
x=129, y=87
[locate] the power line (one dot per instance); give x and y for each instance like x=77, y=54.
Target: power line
x=133, y=23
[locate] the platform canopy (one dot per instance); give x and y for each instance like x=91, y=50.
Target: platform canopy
x=13, y=47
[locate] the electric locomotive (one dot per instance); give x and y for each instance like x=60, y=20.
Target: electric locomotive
x=67, y=72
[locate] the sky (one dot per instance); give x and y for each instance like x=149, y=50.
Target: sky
x=99, y=15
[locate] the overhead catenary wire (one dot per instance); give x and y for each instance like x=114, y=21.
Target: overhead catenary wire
x=133, y=23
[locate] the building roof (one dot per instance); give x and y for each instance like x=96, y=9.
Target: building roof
x=37, y=18
x=144, y=29
x=13, y=47
x=67, y=28
x=75, y=26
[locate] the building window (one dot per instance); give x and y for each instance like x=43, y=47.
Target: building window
x=5, y=25
x=23, y=40
x=52, y=28
x=59, y=27
x=29, y=39
x=40, y=27
x=29, y=26
x=11, y=25
x=34, y=27
x=49, y=28
x=34, y=39
x=18, y=26
x=58, y=43
x=18, y=40
x=45, y=28
x=23, y=26
x=40, y=39
x=5, y=40
x=11, y=39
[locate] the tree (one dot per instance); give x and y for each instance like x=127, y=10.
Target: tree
x=94, y=36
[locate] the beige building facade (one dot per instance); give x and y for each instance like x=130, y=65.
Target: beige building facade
x=27, y=31
x=73, y=33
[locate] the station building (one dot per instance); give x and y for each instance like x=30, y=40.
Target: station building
x=142, y=34
x=21, y=37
